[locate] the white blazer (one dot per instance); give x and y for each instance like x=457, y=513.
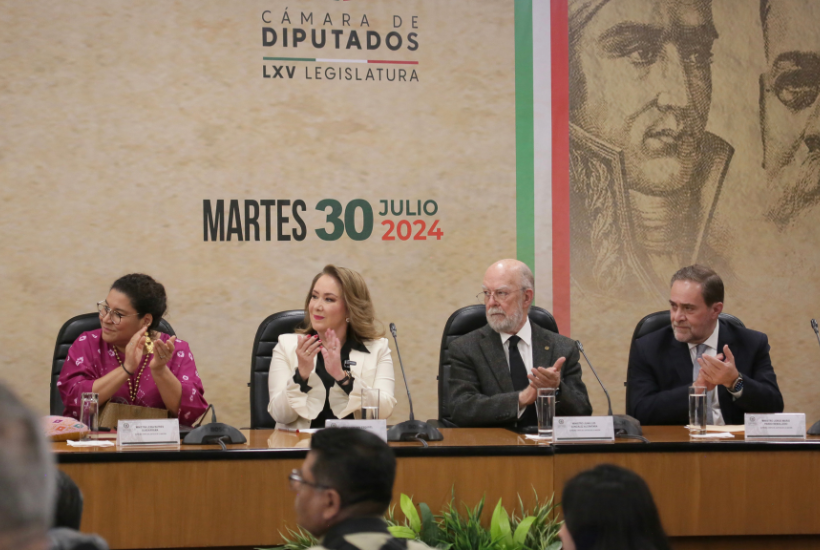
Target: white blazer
x=295, y=409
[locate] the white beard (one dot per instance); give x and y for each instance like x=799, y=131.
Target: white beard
x=509, y=323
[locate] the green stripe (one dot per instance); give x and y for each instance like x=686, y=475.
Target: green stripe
x=289, y=58
x=524, y=146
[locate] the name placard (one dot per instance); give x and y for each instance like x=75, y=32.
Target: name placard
x=775, y=426
x=583, y=428
x=156, y=431
x=378, y=427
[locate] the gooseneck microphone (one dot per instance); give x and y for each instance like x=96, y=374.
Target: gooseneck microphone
x=410, y=430
x=626, y=427
x=815, y=429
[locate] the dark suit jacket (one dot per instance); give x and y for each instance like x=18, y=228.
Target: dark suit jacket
x=481, y=389
x=660, y=372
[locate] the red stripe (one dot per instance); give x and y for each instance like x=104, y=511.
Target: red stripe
x=559, y=39
x=393, y=62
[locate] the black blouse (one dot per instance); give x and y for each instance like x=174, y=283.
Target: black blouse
x=328, y=381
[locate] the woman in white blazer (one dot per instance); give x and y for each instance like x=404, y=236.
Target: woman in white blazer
x=308, y=381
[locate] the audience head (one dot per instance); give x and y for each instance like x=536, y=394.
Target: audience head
x=135, y=301
x=610, y=508
x=347, y=473
x=26, y=476
x=338, y=299
x=68, y=508
x=508, y=292
x=695, y=303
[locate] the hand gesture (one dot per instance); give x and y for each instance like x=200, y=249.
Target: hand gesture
x=719, y=370
x=133, y=351
x=331, y=351
x=547, y=378
x=307, y=347
x=163, y=351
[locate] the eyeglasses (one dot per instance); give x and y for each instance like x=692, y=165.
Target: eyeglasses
x=115, y=316
x=296, y=481
x=500, y=295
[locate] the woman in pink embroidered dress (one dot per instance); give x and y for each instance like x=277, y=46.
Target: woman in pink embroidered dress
x=112, y=361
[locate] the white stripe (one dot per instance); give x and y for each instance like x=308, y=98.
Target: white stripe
x=341, y=60
x=542, y=142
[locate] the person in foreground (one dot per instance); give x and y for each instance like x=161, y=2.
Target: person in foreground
x=319, y=373
x=497, y=369
x=610, y=508
x=699, y=348
x=343, y=491
x=117, y=362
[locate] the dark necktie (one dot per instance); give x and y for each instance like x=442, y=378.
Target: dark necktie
x=518, y=373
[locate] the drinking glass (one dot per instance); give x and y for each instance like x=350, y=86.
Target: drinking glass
x=370, y=404
x=545, y=408
x=89, y=414
x=697, y=410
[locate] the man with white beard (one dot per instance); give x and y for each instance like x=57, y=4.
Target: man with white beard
x=497, y=369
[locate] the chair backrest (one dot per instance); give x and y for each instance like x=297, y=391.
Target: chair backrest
x=70, y=331
x=267, y=336
x=463, y=321
x=661, y=319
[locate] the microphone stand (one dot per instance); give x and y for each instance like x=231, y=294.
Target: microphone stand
x=815, y=429
x=410, y=430
x=625, y=426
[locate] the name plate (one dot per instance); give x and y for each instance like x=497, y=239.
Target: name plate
x=158, y=431
x=775, y=426
x=378, y=427
x=583, y=428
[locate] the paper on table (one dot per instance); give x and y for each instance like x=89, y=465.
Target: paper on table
x=91, y=443
x=735, y=429
x=714, y=435
x=538, y=437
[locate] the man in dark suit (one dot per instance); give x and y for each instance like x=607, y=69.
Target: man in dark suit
x=496, y=369
x=698, y=349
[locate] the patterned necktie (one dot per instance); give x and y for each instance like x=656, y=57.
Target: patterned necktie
x=518, y=373
x=709, y=395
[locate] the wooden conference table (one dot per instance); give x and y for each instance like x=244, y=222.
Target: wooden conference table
x=715, y=494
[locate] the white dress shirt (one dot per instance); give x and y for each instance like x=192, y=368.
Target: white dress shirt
x=711, y=344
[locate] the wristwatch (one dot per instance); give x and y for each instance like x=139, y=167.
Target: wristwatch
x=346, y=380
x=738, y=385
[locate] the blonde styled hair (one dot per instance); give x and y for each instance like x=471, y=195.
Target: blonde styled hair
x=360, y=310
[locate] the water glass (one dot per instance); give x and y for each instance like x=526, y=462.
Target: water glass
x=370, y=404
x=89, y=414
x=697, y=410
x=545, y=408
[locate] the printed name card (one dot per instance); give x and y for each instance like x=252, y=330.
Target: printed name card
x=775, y=426
x=378, y=427
x=583, y=428
x=155, y=431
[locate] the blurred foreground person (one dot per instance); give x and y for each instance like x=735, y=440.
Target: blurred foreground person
x=610, y=508
x=343, y=490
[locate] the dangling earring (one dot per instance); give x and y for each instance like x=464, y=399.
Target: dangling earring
x=149, y=345
x=347, y=320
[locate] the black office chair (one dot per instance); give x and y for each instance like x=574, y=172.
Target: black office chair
x=661, y=319
x=70, y=331
x=463, y=321
x=267, y=336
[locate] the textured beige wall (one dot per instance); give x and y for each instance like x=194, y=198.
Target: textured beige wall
x=119, y=118
x=771, y=274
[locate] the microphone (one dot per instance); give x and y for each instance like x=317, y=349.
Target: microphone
x=625, y=426
x=213, y=433
x=815, y=429
x=410, y=430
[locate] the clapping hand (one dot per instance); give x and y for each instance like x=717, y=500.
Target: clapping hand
x=719, y=370
x=331, y=351
x=163, y=351
x=547, y=378
x=307, y=347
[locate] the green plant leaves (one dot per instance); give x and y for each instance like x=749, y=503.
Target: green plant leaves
x=410, y=513
x=402, y=532
x=521, y=532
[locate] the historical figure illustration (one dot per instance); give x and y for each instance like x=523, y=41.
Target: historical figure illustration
x=645, y=175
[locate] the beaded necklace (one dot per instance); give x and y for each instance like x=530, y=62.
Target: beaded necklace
x=132, y=388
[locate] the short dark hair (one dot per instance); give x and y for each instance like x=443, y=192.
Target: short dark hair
x=711, y=283
x=68, y=508
x=146, y=295
x=611, y=508
x=358, y=464
x=26, y=470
